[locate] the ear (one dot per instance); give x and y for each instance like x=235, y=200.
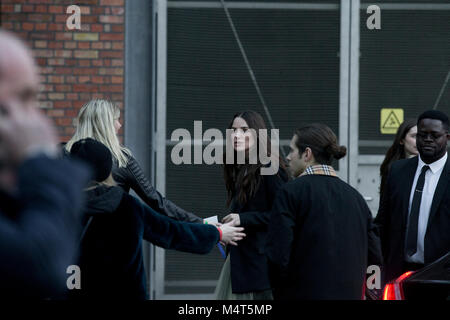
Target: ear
x=308, y=154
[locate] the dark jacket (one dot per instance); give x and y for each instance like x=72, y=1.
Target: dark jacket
x=38, y=228
x=111, y=259
x=248, y=261
x=393, y=213
x=321, y=240
x=132, y=177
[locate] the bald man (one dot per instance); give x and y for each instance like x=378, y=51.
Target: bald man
x=40, y=194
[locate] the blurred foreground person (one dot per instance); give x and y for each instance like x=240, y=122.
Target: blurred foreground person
x=321, y=236
x=40, y=195
x=111, y=260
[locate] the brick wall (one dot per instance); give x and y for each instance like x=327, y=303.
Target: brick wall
x=75, y=65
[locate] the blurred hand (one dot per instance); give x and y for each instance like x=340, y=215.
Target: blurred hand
x=23, y=131
x=215, y=224
x=230, y=234
x=232, y=219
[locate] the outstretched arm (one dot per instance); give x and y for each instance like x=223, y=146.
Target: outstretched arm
x=183, y=236
x=143, y=188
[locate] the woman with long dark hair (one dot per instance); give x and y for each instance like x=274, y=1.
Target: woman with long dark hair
x=403, y=147
x=250, y=197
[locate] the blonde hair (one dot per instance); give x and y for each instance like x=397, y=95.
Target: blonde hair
x=96, y=120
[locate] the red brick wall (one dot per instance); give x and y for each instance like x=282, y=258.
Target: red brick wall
x=75, y=65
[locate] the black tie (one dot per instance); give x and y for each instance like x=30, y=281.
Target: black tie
x=411, y=238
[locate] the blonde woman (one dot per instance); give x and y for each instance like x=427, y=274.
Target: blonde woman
x=99, y=119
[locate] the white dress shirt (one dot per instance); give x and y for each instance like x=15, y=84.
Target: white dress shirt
x=431, y=180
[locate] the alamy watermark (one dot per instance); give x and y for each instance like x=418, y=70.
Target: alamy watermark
x=74, y=21
x=374, y=21
x=373, y=281
x=74, y=280
x=213, y=153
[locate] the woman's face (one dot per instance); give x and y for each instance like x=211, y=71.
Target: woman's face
x=242, y=137
x=117, y=124
x=409, y=143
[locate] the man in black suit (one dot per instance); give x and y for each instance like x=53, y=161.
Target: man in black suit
x=40, y=195
x=414, y=215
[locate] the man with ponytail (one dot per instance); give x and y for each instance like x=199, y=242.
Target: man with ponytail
x=321, y=236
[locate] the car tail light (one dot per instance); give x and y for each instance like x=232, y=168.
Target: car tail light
x=393, y=290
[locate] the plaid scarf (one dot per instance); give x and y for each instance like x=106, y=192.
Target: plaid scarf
x=321, y=169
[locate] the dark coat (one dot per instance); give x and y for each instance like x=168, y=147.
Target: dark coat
x=38, y=228
x=248, y=261
x=321, y=240
x=111, y=258
x=393, y=214
x=132, y=177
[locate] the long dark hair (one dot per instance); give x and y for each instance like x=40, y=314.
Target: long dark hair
x=321, y=140
x=396, y=151
x=243, y=180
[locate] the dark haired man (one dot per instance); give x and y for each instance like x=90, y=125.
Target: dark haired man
x=321, y=236
x=414, y=214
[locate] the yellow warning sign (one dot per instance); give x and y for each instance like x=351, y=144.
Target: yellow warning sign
x=390, y=120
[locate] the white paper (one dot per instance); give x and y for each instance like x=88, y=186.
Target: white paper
x=212, y=219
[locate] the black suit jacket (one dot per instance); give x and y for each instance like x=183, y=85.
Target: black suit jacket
x=393, y=214
x=249, y=271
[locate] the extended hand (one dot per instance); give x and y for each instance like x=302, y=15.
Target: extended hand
x=232, y=219
x=230, y=234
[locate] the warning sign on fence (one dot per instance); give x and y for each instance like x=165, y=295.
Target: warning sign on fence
x=390, y=120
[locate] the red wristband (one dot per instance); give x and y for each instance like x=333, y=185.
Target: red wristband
x=220, y=233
